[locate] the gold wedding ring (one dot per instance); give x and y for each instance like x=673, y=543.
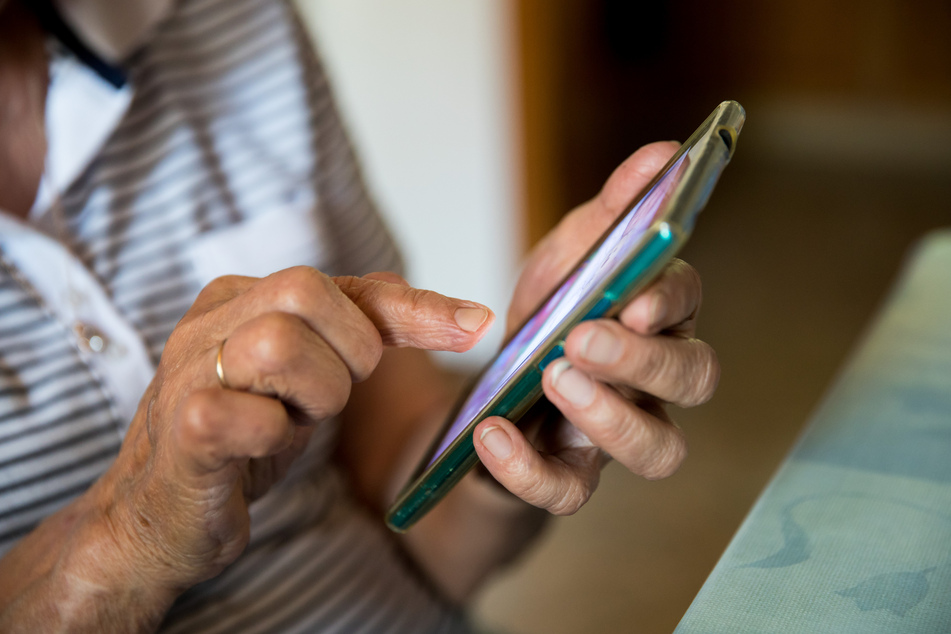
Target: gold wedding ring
x=219, y=368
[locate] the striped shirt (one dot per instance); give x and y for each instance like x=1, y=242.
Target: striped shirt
x=221, y=152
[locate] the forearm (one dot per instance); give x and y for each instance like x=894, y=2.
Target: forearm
x=71, y=575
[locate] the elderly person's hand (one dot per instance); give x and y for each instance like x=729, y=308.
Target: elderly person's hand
x=616, y=375
x=249, y=371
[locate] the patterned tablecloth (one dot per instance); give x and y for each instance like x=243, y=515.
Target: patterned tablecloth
x=854, y=532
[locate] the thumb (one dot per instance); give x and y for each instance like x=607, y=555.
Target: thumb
x=566, y=244
x=585, y=224
x=412, y=317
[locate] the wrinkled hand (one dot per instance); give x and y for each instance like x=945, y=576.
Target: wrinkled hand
x=616, y=375
x=176, y=499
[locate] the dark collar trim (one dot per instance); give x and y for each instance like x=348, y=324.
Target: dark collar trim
x=50, y=19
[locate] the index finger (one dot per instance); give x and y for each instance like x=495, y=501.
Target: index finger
x=412, y=317
x=354, y=316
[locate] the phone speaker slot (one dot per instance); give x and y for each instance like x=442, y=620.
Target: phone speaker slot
x=727, y=135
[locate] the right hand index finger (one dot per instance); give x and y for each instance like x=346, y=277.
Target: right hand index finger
x=354, y=316
x=412, y=317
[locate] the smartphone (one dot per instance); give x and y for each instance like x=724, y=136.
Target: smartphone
x=625, y=259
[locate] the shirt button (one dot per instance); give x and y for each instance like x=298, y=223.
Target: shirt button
x=90, y=338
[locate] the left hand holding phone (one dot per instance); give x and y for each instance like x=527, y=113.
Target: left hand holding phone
x=616, y=375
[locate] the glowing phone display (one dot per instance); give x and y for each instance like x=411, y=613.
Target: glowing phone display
x=551, y=317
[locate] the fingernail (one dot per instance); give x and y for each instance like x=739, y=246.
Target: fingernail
x=470, y=319
x=573, y=385
x=601, y=346
x=497, y=442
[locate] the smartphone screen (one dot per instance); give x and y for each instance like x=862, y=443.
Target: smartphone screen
x=550, y=318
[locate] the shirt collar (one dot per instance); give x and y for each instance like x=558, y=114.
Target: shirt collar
x=113, y=29
x=88, y=94
x=82, y=110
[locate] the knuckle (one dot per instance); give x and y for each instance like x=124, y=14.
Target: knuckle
x=408, y=309
x=562, y=493
x=362, y=292
x=702, y=389
x=197, y=417
x=339, y=390
x=691, y=277
x=349, y=284
x=414, y=303
x=537, y=492
x=619, y=431
x=526, y=483
x=669, y=456
x=682, y=275
x=652, y=365
x=219, y=286
x=332, y=390
x=299, y=287
x=217, y=292
x=651, y=448
x=370, y=357
x=274, y=341
x=570, y=500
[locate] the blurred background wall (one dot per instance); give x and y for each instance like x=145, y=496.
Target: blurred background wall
x=482, y=121
x=425, y=88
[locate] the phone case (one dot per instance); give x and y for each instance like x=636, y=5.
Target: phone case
x=702, y=157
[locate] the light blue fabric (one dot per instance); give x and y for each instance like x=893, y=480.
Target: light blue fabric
x=854, y=532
